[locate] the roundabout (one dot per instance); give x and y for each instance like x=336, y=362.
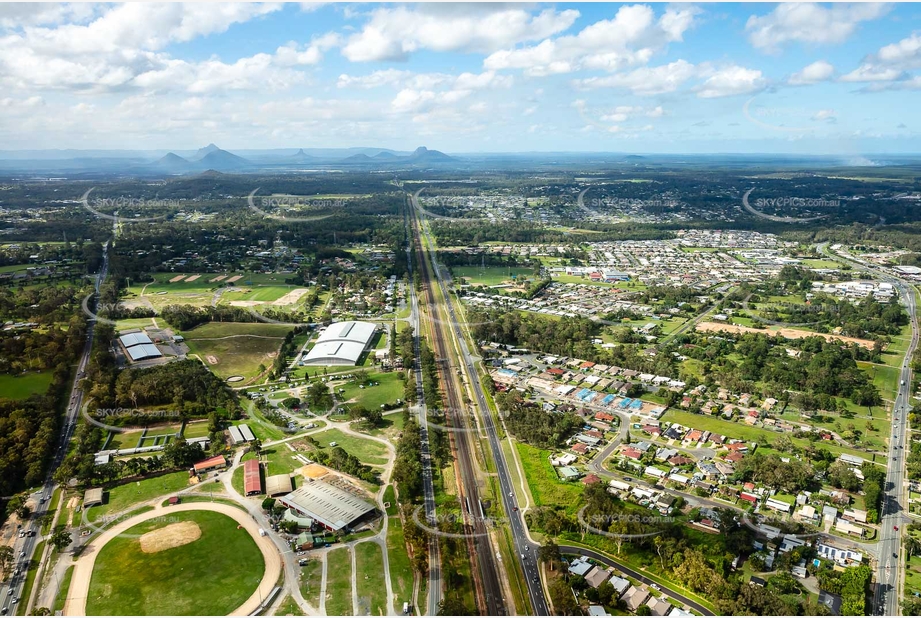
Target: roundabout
x=188, y=559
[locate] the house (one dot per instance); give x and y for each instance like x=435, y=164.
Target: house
x=620, y=584
x=597, y=610
x=631, y=453
x=658, y=606
x=580, y=566
x=778, y=505
x=653, y=471
x=634, y=597
x=855, y=515
x=748, y=497
x=843, y=525
x=591, y=479
x=831, y=601
x=756, y=581
x=579, y=448
x=597, y=576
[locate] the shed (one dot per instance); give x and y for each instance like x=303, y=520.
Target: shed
x=92, y=497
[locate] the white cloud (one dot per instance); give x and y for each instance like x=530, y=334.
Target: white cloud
x=818, y=71
x=630, y=38
x=906, y=52
x=730, y=81
x=871, y=73
x=645, y=80
x=376, y=79
x=890, y=64
x=394, y=33
x=825, y=114
x=809, y=23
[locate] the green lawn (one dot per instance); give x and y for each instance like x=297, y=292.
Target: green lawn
x=311, y=574
x=63, y=590
x=339, y=582
x=288, y=608
x=130, y=323
x=387, y=391
x=401, y=572
x=491, y=275
x=546, y=488
x=212, y=575
x=122, y=497
x=22, y=386
x=239, y=348
x=262, y=293
x=365, y=450
x=372, y=591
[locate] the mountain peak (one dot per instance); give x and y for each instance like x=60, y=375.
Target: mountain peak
x=203, y=152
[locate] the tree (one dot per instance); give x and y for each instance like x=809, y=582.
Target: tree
x=549, y=552
x=61, y=538
x=643, y=610
x=6, y=559
x=268, y=504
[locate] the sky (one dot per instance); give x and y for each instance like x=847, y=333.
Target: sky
x=841, y=79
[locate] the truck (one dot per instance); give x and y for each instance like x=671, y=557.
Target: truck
x=261, y=532
x=405, y=608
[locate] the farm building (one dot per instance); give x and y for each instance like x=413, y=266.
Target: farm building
x=92, y=497
x=240, y=434
x=341, y=343
x=278, y=484
x=252, y=477
x=330, y=506
x=212, y=463
x=138, y=346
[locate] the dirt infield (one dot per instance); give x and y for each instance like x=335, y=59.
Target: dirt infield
x=291, y=297
x=313, y=471
x=789, y=333
x=177, y=278
x=192, y=278
x=173, y=535
x=218, y=278
x=234, y=278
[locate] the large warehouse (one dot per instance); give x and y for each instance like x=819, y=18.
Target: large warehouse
x=328, y=505
x=341, y=343
x=138, y=346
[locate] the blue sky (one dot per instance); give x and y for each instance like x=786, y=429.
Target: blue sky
x=669, y=78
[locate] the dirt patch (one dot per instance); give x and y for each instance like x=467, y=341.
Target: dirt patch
x=177, y=278
x=234, y=278
x=313, y=471
x=193, y=278
x=173, y=535
x=220, y=278
x=212, y=359
x=246, y=303
x=291, y=297
x=789, y=333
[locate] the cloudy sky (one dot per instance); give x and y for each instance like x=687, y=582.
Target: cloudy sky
x=676, y=78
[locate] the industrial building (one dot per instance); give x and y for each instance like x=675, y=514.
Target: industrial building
x=240, y=434
x=217, y=462
x=252, y=477
x=138, y=346
x=278, y=484
x=329, y=506
x=341, y=343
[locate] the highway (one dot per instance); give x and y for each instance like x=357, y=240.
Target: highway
x=24, y=547
x=890, y=566
x=526, y=550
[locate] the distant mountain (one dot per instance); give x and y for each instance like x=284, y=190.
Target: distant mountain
x=385, y=155
x=222, y=161
x=173, y=163
x=358, y=159
x=300, y=157
x=426, y=156
x=204, y=152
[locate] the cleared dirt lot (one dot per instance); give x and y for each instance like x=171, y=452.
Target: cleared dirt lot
x=789, y=333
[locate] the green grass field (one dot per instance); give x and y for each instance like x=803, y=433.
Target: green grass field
x=310, y=581
x=546, y=488
x=238, y=347
x=31, y=572
x=339, y=582
x=212, y=575
x=388, y=390
x=401, y=572
x=491, y=275
x=260, y=293
x=23, y=386
x=365, y=450
x=64, y=588
x=372, y=591
x=123, y=496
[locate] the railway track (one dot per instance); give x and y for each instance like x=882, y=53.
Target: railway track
x=487, y=585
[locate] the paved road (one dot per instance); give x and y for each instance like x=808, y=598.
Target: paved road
x=527, y=551
x=24, y=548
x=589, y=553
x=890, y=566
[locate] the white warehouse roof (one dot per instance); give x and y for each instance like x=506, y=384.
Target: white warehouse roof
x=341, y=343
x=333, y=507
x=134, y=339
x=142, y=351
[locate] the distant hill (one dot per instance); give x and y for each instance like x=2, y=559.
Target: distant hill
x=204, y=152
x=300, y=157
x=222, y=161
x=173, y=163
x=358, y=158
x=385, y=155
x=424, y=155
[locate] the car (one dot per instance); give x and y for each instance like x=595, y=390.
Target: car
x=514, y=508
x=655, y=586
x=895, y=528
